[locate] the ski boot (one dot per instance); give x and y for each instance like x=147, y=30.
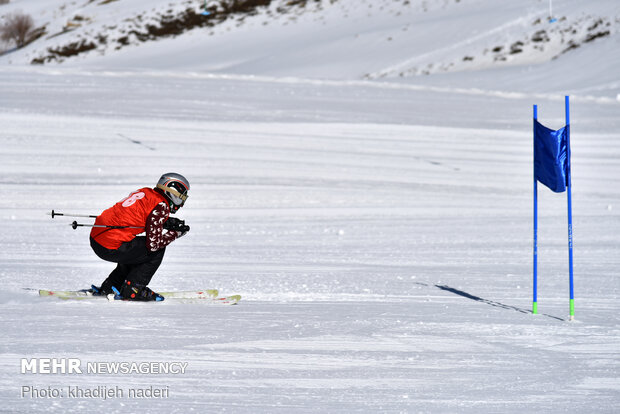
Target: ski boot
x=134, y=291
x=98, y=291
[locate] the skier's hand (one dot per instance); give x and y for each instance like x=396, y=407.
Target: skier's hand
x=178, y=225
x=182, y=230
x=174, y=224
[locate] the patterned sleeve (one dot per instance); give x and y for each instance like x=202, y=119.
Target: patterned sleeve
x=156, y=238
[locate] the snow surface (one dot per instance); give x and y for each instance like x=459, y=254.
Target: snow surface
x=378, y=227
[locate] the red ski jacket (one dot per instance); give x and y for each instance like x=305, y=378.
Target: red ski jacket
x=145, y=209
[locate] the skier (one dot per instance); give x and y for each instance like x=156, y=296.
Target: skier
x=138, y=257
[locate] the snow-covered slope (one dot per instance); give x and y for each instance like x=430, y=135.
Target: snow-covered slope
x=344, y=39
x=380, y=237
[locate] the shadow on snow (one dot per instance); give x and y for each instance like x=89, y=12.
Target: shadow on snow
x=489, y=302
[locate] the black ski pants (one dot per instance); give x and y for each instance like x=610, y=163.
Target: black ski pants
x=134, y=262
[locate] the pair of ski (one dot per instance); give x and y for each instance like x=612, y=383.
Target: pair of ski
x=204, y=296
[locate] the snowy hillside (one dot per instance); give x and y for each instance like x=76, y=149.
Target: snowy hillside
x=361, y=173
x=345, y=39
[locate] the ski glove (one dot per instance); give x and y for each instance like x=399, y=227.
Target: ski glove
x=178, y=225
x=182, y=230
x=174, y=224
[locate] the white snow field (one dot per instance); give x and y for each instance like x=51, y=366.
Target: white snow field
x=376, y=220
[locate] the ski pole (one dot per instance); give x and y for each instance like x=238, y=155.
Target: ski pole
x=54, y=214
x=75, y=225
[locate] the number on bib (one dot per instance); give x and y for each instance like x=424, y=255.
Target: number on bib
x=132, y=198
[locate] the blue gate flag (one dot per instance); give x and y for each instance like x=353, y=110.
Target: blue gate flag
x=550, y=156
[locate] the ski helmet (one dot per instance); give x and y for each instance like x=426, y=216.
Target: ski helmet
x=175, y=188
